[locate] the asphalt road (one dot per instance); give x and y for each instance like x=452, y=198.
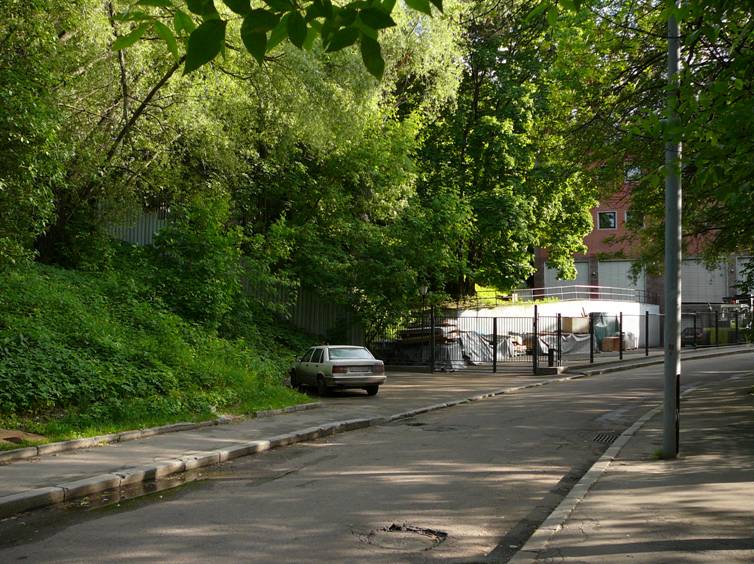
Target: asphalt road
x=468, y=483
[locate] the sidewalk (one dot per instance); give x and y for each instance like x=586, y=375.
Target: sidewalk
x=698, y=508
x=55, y=478
x=609, y=362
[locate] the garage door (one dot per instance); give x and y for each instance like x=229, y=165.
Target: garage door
x=617, y=274
x=741, y=264
x=552, y=282
x=700, y=285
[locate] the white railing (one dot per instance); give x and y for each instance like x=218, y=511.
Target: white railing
x=579, y=292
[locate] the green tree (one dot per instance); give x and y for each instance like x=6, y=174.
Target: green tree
x=197, y=258
x=29, y=126
x=502, y=152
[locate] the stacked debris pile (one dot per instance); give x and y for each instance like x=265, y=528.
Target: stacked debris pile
x=453, y=348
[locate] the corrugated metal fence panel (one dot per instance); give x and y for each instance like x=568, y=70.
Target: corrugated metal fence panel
x=139, y=228
x=313, y=314
x=318, y=316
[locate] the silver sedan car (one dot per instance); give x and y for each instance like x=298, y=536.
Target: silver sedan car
x=330, y=367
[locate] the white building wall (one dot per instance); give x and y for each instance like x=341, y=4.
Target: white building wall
x=741, y=263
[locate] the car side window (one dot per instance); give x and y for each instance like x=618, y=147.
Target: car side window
x=308, y=356
x=317, y=358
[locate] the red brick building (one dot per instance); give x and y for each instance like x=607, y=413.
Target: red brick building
x=607, y=262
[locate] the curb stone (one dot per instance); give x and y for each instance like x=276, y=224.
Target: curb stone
x=18, y=454
x=31, y=499
x=87, y=486
x=99, y=440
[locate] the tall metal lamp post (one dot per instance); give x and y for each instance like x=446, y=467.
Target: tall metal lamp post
x=673, y=256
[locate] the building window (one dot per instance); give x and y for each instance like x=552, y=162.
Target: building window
x=607, y=220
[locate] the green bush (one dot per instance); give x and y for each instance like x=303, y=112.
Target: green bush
x=87, y=352
x=197, y=258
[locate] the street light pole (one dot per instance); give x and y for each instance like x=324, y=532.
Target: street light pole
x=672, y=248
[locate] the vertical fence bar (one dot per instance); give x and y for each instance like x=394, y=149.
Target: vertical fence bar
x=494, y=345
x=432, y=338
x=736, y=329
x=535, y=343
x=560, y=340
x=646, y=333
x=717, y=329
x=694, y=337
x=591, y=337
x=620, y=333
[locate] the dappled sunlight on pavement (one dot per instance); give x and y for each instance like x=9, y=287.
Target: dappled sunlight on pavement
x=697, y=508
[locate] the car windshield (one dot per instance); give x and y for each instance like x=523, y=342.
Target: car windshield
x=338, y=354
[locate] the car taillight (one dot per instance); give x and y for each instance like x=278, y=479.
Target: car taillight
x=378, y=368
x=339, y=369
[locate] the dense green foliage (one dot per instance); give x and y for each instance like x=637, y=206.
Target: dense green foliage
x=84, y=352
x=202, y=26
x=198, y=257
x=279, y=168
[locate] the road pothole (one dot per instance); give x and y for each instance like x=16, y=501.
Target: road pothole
x=405, y=537
x=432, y=428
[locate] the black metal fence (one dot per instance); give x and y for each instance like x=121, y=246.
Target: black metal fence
x=715, y=328
x=443, y=341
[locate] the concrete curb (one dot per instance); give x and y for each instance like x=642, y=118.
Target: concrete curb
x=15, y=455
x=537, y=542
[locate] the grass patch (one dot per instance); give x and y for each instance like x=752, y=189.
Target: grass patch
x=84, y=354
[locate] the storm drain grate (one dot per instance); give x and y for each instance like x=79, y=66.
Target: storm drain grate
x=606, y=438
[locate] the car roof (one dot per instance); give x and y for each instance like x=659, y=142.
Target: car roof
x=337, y=347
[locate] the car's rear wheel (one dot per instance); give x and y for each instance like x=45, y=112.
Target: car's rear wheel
x=372, y=390
x=322, y=389
x=295, y=382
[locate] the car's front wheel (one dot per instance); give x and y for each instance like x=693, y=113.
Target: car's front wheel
x=372, y=390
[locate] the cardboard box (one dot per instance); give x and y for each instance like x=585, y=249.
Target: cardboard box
x=575, y=324
x=610, y=344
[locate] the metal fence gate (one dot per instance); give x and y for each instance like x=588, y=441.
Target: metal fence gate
x=445, y=341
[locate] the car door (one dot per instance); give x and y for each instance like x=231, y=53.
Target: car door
x=305, y=372
x=316, y=364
